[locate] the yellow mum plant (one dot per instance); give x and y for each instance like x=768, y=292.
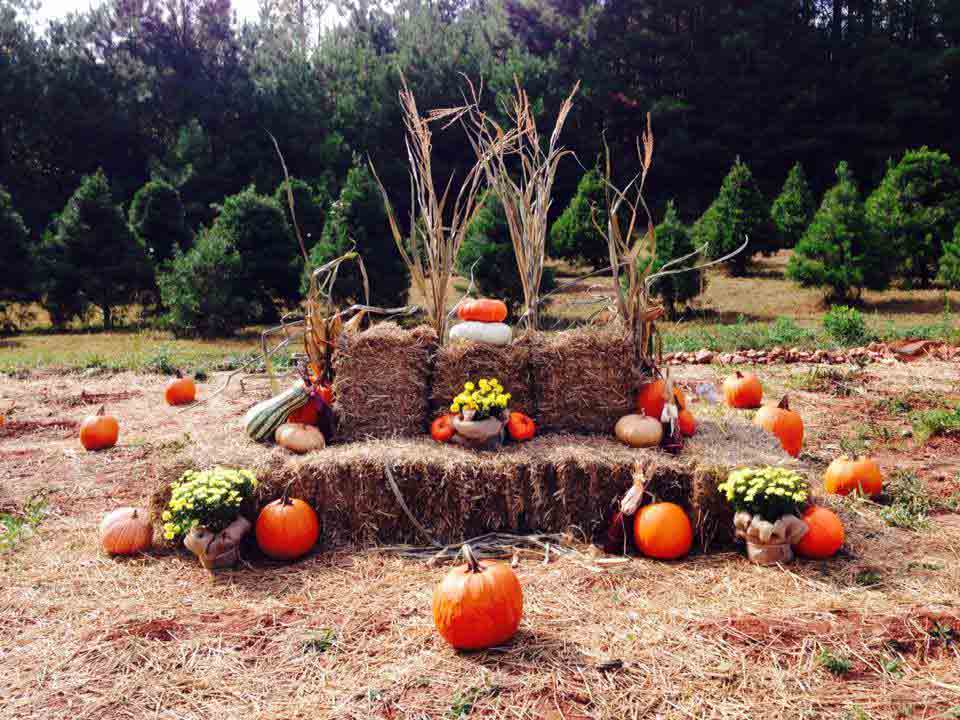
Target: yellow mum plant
x=211, y=498
x=485, y=398
x=768, y=491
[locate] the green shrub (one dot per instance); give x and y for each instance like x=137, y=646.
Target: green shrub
x=310, y=206
x=158, y=220
x=487, y=254
x=838, y=251
x=358, y=219
x=203, y=289
x=674, y=242
x=846, y=325
x=915, y=209
x=17, y=280
x=950, y=261
x=574, y=235
x=793, y=209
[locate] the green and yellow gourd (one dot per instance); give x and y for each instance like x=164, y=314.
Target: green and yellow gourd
x=263, y=419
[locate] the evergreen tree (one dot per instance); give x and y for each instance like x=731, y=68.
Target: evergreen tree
x=358, y=220
x=310, y=206
x=915, y=209
x=16, y=256
x=574, y=235
x=92, y=258
x=950, y=262
x=158, y=220
x=674, y=242
x=839, y=251
x=793, y=209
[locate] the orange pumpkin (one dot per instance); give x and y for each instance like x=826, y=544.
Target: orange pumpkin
x=687, y=423
x=180, y=391
x=287, y=528
x=521, y=427
x=844, y=475
x=306, y=414
x=483, y=310
x=652, y=397
x=663, y=531
x=742, y=390
x=100, y=431
x=784, y=423
x=478, y=605
x=442, y=428
x=825, y=535
x=126, y=531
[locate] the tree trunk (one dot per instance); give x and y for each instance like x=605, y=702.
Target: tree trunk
x=107, y=317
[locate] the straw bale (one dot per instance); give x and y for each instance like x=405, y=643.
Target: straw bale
x=381, y=382
x=460, y=361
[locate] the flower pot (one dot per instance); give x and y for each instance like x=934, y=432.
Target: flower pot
x=769, y=543
x=486, y=434
x=769, y=554
x=218, y=550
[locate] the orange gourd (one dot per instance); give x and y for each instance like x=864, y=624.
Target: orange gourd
x=126, y=531
x=180, y=391
x=483, y=310
x=663, y=531
x=824, y=537
x=687, y=423
x=100, y=431
x=742, y=390
x=287, y=528
x=651, y=398
x=844, y=475
x=784, y=423
x=306, y=414
x=478, y=605
x=442, y=428
x=521, y=427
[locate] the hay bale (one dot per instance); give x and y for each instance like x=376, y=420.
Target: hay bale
x=381, y=382
x=460, y=361
x=582, y=380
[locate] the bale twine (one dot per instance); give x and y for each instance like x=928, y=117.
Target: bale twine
x=381, y=382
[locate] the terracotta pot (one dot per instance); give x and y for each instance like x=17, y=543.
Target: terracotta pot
x=218, y=550
x=769, y=543
x=769, y=554
x=479, y=434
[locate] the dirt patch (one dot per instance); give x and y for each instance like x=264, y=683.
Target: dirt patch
x=85, y=398
x=21, y=428
x=164, y=630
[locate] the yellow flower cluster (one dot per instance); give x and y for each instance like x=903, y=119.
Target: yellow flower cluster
x=770, y=492
x=484, y=398
x=210, y=497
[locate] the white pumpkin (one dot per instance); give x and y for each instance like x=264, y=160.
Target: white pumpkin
x=638, y=431
x=300, y=438
x=489, y=333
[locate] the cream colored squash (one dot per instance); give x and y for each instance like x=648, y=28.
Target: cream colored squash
x=489, y=333
x=638, y=431
x=299, y=438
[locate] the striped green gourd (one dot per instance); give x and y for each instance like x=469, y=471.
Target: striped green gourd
x=263, y=419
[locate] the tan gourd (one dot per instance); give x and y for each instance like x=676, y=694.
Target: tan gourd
x=638, y=431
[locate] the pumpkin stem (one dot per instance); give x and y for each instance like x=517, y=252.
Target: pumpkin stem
x=473, y=565
x=739, y=375
x=784, y=404
x=102, y=410
x=285, y=500
x=134, y=516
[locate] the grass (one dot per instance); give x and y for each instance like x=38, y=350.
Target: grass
x=834, y=664
x=929, y=423
x=17, y=526
x=910, y=504
x=828, y=380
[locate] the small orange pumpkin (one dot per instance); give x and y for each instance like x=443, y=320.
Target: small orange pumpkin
x=180, y=391
x=478, y=605
x=844, y=475
x=287, y=528
x=784, y=423
x=742, y=390
x=483, y=310
x=442, y=428
x=687, y=423
x=521, y=427
x=651, y=398
x=663, y=531
x=126, y=531
x=100, y=431
x=825, y=535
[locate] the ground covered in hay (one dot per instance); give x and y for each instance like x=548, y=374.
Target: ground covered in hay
x=874, y=633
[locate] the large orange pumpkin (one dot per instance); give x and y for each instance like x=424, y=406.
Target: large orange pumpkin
x=126, y=531
x=478, y=605
x=663, y=531
x=784, y=423
x=180, y=391
x=287, y=528
x=651, y=398
x=521, y=427
x=844, y=475
x=442, y=428
x=100, y=431
x=483, y=310
x=742, y=390
x=825, y=535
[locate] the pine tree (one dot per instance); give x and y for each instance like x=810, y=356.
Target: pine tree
x=574, y=235
x=158, y=220
x=16, y=257
x=793, y=209
x=674, y=242
x=310, y=206
x=839, y=251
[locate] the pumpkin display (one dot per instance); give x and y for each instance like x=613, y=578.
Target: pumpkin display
x=742, y=391
x=845, y=474
x=126, y=531
x=262, y=420
x=99, y=431
x=478, y=605
x=784, y=423
x=663, y=531
x=483, y=310
x=482, y=332
x=521, y=427
x=638, y=431
x=651, y=399
x=687, y=423
x=300, y=438
x=442, y=428
x=287, y=528
x=180, y=391
x=824, y=536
